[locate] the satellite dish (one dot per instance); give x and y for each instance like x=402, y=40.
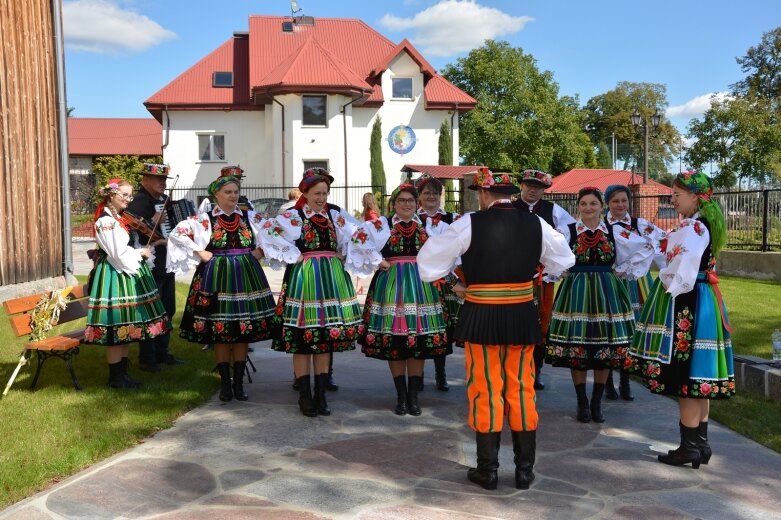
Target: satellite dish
x=294, y=7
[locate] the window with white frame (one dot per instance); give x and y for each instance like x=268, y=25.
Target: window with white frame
x=211, y=147
x=315, y=110
x=402, y=88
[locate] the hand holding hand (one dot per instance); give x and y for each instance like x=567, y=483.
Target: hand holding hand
x=205, y=255
x=384, y=265
x=258, y=254
x=460, y=290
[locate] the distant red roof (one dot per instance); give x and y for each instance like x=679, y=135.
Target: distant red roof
x=334, y=55
x=114, y=136
x=574, y=180
x=439, y=171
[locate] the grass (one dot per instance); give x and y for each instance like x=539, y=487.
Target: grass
x=53, y=432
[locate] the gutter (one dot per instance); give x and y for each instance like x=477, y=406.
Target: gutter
x=167, y=128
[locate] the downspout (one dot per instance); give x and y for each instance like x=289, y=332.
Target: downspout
x=62, y=113
x=283, y=139
x=167, y=127
x=452, y=132
x=343, y=110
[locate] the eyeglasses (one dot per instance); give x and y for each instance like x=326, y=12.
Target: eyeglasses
x=406, y=201
x=125, y=196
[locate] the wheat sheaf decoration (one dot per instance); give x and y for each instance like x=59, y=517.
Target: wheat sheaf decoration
x=46, y=313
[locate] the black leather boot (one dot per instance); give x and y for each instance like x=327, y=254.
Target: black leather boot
x=305, y=402
x=702, y=442
x=413, y=408
x=539, y=359
x=687, y=452
x=584, y=415
x=116, y=376
x=331, y=386
x=610, y=389
x=525, y=449
x=624, y=388
x=487, y=460
x=226, y=390
x=295, y=383
x=596, y=403
x=421, y=385
x=239, y=367
x=129, y=381
x=439, y=367
x=401, y=395
x=321, y=384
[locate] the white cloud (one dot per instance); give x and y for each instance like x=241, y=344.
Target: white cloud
x=697, y=106
x=453, y=26
x=102, y=26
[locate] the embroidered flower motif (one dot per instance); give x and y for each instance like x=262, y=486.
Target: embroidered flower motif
x=377, y=224
x=199, y=326
x=705, y=389
x=156, y=328
x=340, y=221
x=334, y=333
x=308, y=335
x=359, y=237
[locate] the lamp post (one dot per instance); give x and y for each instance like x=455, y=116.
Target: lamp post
x=640, y=121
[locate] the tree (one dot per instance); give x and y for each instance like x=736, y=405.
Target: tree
x=375, y=157
x=763, y=65
x=126, y=167
x=604, y=157
x=610, y=113
x=446, y=158
x=519, y=121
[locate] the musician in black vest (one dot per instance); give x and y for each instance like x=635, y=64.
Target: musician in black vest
x=500, y=249
x=153, y=352
x=533, y=186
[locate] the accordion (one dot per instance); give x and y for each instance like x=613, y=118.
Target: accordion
x=175, y=212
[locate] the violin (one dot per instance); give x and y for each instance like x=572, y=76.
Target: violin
x=139, y=224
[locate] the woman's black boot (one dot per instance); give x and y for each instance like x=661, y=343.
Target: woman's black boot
x=610, y=389
x=129, y=381
x=321, y=384
x=401, y=395
x=687, y=452
x=305, y=403
x=596, y=403
x=239, y=367
x=413, y=408
x=702, y=442
x=439, y=367
x=584, y=415
x=226, y=390
x=624, y=388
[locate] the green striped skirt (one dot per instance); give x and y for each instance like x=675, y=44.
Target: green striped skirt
x=592, y=322
x=229, y=301
x=123, y=308
x=317, y=311
x=403, y=315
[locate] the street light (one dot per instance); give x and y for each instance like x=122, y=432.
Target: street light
x=640, y=121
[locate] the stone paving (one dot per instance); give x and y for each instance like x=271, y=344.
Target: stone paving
x=263, y=459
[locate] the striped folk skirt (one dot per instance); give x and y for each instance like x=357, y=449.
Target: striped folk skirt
x=123, y=308
x=683, y=345
x=403, y=316
x=229, y=300
x=638, y=292
x=592, y=322
x=317, y=311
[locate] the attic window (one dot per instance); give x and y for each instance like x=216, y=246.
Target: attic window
x=402, y=88
x=287, y=26
x=222, y=79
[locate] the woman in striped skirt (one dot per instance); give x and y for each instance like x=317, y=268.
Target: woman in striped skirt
x=404, y=318
x=317, y=312
x=124, y=304
x=592, y=322
x=229, y=303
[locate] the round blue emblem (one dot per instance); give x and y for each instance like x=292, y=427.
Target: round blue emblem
x=402, y=139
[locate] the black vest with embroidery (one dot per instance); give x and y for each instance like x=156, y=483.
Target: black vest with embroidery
x=318, y=233
x=505, y=248
x=543, y=209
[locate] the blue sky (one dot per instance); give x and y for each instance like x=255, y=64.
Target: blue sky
x=120, y=52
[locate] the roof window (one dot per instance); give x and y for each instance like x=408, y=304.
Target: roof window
x=222, y=79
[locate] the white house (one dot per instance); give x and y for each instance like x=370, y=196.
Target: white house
x=294, y=93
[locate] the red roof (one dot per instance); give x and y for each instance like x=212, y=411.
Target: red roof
x=333, y=55
x=114, y=136
x=440, y=171
x=574, y=180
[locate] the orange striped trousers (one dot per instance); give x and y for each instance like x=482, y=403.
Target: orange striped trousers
x=499, y=383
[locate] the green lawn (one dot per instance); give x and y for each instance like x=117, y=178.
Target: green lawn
x=754, y=309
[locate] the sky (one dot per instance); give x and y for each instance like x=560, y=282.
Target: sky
x=120, y=52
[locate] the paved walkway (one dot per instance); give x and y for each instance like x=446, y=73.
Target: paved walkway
x=263, y=459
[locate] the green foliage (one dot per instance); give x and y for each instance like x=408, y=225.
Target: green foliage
x=604, y=157
x=445, y=144
x=127, y=167
x=763, y=65
x=611, y=112
x=375, y=156
x=519, y=121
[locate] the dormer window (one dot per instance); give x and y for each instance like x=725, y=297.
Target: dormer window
x=222, y=79
x=402, y=88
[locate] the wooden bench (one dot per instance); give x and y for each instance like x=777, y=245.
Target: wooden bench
x=64, y=345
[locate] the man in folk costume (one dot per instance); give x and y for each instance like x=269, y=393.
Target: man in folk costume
x=533, y=186
x=154, y=352
x=500, y=248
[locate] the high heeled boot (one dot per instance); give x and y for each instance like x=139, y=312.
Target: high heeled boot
x=596, y=403
x=525, y=450
x=305, y=402
x=401, y=395
x=331, y=386
x=610, y=389
x=702, y=442
x=226, y=390
x=623, y=386
x=583, y=415
x=484, y=474
x=687, y=452
x=441, y=377
x=239, y=367
x=413, y=408
x=321, y=384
